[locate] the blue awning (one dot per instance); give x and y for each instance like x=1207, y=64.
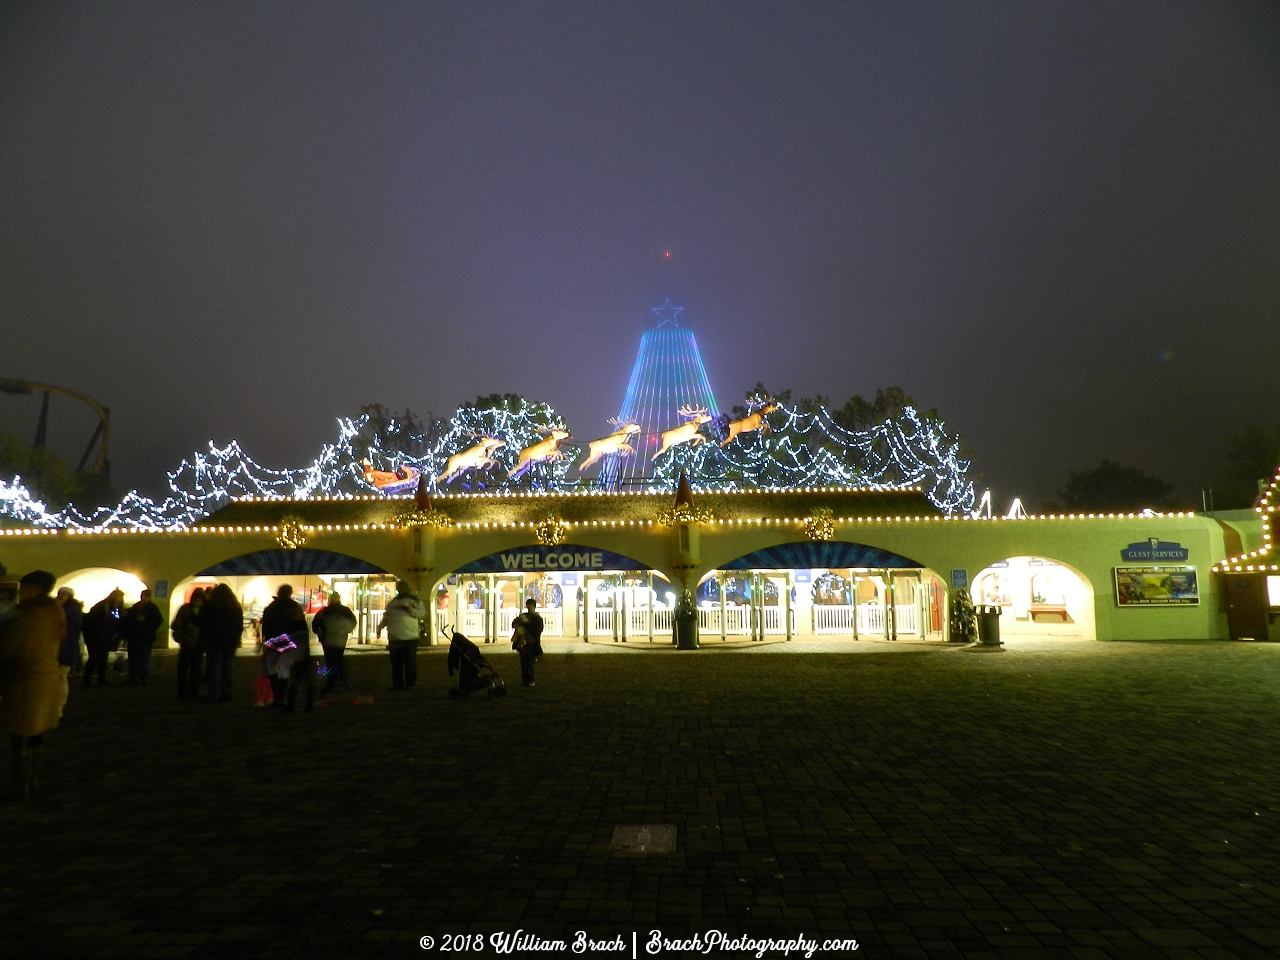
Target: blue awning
x=808, y=554
x=289, y=563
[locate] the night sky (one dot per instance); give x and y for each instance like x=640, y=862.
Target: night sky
x=1059, y=224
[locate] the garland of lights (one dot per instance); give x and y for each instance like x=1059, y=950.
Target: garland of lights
x=411, y=516
x=683, y=513
x=810, y=450
x=801, y=450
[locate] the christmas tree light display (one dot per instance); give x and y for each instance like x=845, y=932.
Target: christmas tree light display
x=668, y=375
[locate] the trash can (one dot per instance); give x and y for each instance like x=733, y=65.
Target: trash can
x=687, y=633
x=989, y=626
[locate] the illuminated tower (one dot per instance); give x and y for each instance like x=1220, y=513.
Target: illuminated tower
x=667, y=376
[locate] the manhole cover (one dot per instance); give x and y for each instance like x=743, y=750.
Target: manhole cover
x=643, y=839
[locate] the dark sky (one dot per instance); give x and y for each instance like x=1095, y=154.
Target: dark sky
x=1057, y=223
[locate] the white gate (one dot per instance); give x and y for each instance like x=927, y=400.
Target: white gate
x=600, y=622
x=737, y=620
x=838, y=618
x=552, y=621
x=834, y=618
x=473, y=623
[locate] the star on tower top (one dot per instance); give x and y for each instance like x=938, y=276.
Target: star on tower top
x=667, y=313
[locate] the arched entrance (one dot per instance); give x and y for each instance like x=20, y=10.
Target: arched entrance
x=828, y=589
x=1038, y=598
x=313, y=575
x=581, y=592
x=92, y=584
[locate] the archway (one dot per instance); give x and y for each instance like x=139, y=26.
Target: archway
x=1038, y=598
x=92, y=584
x=580, y=591
x=829, y=589
x=313, y=574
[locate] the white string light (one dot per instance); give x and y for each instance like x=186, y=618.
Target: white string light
x=801, y=450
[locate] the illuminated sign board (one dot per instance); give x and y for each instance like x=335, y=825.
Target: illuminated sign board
x=1154, y=551
x=566, y=556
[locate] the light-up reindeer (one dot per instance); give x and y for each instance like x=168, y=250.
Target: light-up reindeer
x=750, y=423
x=544, y=451
x=479, y=457
x=687, y=432
x=612, y=445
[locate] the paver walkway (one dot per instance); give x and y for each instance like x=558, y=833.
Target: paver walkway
x=1052, y=800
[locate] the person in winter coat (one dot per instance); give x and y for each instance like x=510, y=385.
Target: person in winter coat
x=527, y=639
x=221, y=626
x=401, y=619
x=31, y=685
x=73, y=610
x=290, y=671
x=333, y=625
x=186, y=634
x=101, y=627
x=139, y=626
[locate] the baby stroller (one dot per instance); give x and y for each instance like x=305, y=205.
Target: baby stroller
x=474, y=671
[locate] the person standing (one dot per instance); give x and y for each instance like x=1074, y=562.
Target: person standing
x=282, y=617
x=101, y=627
x=73, y=610
x=139, y=628
x=186, y=633
x=333, y=625
x=31, y=685
x=289, y=671
x=221, y=626
x=528, y=640
x=402, y=619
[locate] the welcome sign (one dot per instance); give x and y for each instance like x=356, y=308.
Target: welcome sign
x=1152, y=550
x=566, y=556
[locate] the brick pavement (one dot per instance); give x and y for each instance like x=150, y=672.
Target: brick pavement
x=1052, y=800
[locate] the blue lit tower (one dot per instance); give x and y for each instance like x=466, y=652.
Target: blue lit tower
x=668, y=375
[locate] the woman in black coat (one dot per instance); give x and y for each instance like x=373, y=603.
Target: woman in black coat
x=221, y=626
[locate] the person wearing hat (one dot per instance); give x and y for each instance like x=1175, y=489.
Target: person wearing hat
x=31, y=685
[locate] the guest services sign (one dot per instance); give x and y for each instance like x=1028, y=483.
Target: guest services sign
x=1154, y=551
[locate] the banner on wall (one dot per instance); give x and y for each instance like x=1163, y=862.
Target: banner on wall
x=1166, y=586
x=566, y=556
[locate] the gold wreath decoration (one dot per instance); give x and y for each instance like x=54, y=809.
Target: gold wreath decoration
x=551, y=532
x=820, y=526
x=683, y=513
x=292, y=532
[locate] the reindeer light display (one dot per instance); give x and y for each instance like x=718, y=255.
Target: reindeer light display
x=479, y=457
x=687, y=432
x=544, y=451
x=613, y=445
x=750, y=423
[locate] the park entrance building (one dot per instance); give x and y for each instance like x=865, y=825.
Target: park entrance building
x=581, y=592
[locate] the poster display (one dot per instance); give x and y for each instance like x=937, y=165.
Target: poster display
x=1152, y=586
